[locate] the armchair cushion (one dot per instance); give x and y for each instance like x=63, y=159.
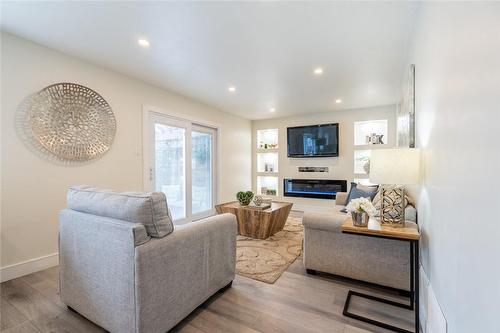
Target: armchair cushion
x=149, y=209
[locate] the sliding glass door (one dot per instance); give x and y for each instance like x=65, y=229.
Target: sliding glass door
x=202, y=171
x=170, y=166
x=181, y=164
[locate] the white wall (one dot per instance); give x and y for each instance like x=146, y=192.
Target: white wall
x=33, y=190
x=341, y=167
x=457, y=56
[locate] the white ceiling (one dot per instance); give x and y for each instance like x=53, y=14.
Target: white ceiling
x=267, y=50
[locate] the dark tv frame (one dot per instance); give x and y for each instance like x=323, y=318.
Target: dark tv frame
x=311, y=156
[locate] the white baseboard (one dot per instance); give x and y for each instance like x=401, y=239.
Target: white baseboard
x=432, y=319
x=436, y=322
x=27, y=267
x=424, y=287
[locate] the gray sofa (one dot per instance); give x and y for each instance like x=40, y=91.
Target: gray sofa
x=326, y=249
x=126, y=267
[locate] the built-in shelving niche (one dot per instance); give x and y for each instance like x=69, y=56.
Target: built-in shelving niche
x=267, y=139
x=368, y=135
x=371, y=132
x=267, y=185
x=267, y=162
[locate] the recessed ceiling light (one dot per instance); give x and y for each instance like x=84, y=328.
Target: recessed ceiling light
x=143, y=42
x=231, y=89
x=272, y=109
x=338, y=101
x=318, y=71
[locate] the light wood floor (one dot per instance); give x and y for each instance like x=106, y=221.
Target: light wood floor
x=297, y=302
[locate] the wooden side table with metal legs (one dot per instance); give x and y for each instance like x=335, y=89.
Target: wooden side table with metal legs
x=410, y=235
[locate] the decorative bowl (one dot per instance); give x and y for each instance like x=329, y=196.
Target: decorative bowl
x=257, y=200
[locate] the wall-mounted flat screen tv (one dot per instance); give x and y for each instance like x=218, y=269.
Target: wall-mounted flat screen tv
x=313, y=141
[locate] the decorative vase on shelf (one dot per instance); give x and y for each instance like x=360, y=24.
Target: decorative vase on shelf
x=244, y=198
x=257, y=200
x=360, y=219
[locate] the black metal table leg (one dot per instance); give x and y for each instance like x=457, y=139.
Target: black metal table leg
x=414, y=297
x=417, y=288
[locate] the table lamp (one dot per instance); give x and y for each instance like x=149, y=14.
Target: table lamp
x=392, y=169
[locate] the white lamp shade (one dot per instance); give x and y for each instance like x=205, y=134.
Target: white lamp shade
x=395, y=166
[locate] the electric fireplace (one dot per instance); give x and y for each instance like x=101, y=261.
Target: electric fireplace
x=313, y=188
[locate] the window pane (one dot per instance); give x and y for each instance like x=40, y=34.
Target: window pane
x=201, y=161
x=169, y=167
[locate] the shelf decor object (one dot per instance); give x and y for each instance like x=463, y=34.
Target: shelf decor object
x=394, y=168
x=67, y=122
x=362, y=162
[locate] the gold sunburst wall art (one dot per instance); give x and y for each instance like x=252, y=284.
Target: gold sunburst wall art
x=67, y=123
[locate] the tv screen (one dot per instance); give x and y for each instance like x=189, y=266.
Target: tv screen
x=313, y=141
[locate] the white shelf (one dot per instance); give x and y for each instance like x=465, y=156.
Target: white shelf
x=370, y=147
x=267, y=173
x=270, y=150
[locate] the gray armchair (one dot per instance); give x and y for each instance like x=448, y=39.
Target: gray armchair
x=124, y=266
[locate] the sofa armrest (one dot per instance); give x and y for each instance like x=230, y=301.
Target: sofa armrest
x=177, y=273
x=96, y=264
x=341, y=199
x=328, y=222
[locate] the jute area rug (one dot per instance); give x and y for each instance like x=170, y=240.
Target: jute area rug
x=266, y=260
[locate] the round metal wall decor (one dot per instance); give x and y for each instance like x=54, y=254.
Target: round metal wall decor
x=69, y=122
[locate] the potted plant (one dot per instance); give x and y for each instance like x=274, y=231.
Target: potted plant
x=244, y=197
x=361, y=209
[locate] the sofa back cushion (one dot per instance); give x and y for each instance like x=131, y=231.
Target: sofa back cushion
x=149, y=209
x=360, y=191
